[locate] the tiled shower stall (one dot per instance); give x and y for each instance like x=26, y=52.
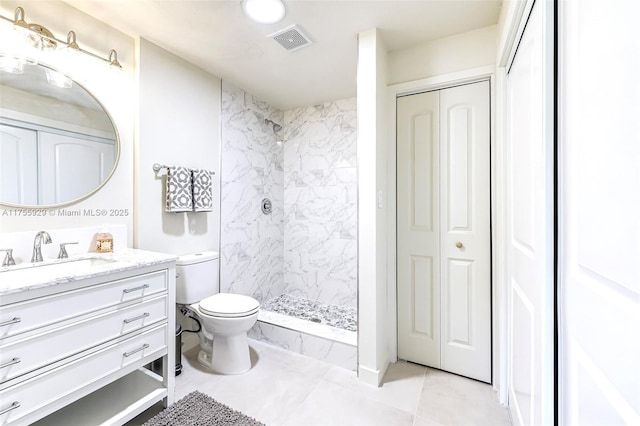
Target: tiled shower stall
x=299, y=261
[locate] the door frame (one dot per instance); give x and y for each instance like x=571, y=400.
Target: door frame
x=473, y=75
x=515, y=16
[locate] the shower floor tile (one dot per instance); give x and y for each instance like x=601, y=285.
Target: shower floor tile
x=344, y=317
x=307, y=327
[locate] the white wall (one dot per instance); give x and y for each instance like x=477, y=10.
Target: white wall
x=179, y=124
x=372, y=244
x=460, y=52
x=382, y=313
x=115, y=90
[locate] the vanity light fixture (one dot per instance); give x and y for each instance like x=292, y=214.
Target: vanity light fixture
x=113, y=60
x=42, y=39
x=264, y=11
x=71, y=42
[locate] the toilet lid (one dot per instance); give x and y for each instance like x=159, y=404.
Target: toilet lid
x=229, y=305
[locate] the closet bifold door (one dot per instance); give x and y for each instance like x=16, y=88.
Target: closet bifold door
x=418, y=228
x=444, y=252
x=465, y=271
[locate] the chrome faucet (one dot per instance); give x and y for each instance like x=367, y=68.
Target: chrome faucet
x=62, y=254
x=8, y=258
x=42, y=236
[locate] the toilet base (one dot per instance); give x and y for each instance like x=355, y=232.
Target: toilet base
x=230, y=355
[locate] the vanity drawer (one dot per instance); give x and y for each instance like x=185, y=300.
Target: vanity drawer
x=42, y=312
x=60, y=383
x=25, y=355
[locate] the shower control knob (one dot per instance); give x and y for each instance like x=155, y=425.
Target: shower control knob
x=266, y=206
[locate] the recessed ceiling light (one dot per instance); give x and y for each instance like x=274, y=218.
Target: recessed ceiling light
x=264, y=11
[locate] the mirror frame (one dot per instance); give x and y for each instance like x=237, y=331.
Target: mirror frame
x=116, y=160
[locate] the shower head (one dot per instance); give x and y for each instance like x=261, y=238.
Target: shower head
x=276, y=127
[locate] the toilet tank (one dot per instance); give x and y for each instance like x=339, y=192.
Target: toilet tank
x=197, y=277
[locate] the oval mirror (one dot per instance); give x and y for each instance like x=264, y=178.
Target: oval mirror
x=58, y=144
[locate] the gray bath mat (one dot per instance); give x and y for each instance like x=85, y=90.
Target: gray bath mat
x=198, y=409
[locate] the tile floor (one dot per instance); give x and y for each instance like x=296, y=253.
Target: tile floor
x=284, y=388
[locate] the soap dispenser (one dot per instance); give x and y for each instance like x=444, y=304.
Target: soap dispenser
x=104, y=241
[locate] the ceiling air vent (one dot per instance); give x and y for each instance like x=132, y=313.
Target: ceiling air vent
x=291, y=38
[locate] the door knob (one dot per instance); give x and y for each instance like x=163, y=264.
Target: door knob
x=459, y=244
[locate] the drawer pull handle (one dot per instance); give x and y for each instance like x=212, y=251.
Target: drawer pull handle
x=141, y=348
x=13, y=406
x=8, y=363
x=11, y=321
x=146, y=314
x=129, y=290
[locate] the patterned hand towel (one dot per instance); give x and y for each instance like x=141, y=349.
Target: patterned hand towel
x=202, y=190
x=179, y=190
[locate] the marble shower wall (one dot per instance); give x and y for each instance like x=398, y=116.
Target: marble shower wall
x=307, y=247
x=251, y=243
x=320, y=202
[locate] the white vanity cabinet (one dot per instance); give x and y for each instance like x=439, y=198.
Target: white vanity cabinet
x=74, y=352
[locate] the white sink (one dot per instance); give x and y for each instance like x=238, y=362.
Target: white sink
x=35, y=272
x=88, y=262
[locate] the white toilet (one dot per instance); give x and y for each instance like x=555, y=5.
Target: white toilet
x=225, y=317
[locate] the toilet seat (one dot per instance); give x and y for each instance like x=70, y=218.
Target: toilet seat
x=227, y=305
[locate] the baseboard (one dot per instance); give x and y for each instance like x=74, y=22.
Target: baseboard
x=369, y=376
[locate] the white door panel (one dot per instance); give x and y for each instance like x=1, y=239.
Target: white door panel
x=599, y=298
x=418, y=228
x=465, y=270
x=530, y=193
x=443, y=202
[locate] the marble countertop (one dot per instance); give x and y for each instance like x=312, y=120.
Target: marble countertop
x=27, y=276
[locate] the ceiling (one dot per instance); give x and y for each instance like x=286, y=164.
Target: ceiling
x=217, y=37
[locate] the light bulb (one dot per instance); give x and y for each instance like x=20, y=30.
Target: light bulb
x=12, y=64
x=58, y=79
